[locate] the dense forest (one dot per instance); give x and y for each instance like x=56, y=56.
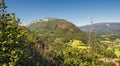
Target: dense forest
x=55, y=42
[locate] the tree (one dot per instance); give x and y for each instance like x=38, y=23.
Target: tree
x=14, y=44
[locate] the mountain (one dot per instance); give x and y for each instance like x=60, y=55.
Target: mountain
x=53, y=26
x=103, y=27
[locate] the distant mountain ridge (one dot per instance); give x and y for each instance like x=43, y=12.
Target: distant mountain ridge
x=104, y=27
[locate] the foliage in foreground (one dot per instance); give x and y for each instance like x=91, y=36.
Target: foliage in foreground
x=14, y=41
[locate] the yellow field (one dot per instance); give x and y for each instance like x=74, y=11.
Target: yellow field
x=78, y=44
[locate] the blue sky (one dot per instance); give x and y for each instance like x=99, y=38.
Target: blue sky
x=78, y=12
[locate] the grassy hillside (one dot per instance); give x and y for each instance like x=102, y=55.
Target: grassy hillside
x=53, y=26
x=57, y=28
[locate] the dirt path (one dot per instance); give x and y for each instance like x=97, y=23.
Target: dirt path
x=115, y=62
